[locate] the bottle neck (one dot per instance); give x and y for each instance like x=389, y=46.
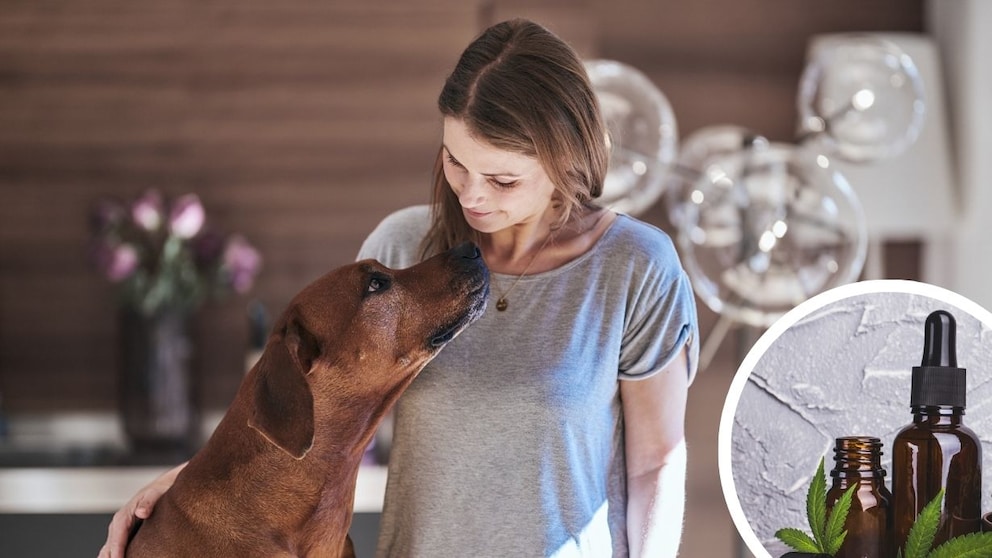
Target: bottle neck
x=934, y=415
x=857, y=459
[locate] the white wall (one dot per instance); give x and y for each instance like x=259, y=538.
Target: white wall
x=961, y=28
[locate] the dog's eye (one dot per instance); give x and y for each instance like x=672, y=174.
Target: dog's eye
x=377, y=283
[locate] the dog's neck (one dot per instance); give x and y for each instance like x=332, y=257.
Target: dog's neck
x=343, y=430
x=344, y=437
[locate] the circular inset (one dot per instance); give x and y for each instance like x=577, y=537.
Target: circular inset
x=839, y=364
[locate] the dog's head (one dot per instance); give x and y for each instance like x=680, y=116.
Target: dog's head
x=357, y=337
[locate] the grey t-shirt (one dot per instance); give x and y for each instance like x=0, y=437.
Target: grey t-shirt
x=510, y=442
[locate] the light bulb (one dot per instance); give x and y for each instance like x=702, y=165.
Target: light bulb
x=643, y=135
x=772, y=227
x=861, y=98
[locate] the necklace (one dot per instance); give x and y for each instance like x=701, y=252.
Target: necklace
x=502, y=303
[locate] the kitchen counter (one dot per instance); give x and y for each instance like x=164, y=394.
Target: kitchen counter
x=76, y=463
x=106, y=489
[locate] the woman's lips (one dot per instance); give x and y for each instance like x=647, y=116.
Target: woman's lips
x=476, y=214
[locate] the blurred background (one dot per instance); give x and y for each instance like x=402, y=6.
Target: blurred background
x=301, y=124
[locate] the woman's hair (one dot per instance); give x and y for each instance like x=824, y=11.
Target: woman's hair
x=520, y=88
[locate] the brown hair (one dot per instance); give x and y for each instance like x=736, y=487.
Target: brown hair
x=520, y=88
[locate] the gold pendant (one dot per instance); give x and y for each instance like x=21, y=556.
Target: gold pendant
x=501, y=304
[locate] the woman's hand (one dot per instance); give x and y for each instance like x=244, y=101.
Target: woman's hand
x=140, y=506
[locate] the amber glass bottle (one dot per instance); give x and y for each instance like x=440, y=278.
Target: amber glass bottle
x=858, y=462
x=937, y=451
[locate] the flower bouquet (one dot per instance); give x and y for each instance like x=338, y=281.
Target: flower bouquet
x=165, y=263
x=163, y=256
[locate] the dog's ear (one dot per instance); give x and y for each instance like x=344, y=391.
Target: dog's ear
x=282, y=409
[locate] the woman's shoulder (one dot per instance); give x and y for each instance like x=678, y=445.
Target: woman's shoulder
x=411, y=217
x=641, y=238
x=395, y=241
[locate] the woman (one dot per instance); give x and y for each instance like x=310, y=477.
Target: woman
x=554, y=425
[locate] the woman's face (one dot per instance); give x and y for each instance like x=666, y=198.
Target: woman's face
x=496, y=189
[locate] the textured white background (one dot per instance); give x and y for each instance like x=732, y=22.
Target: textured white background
x=844, y=370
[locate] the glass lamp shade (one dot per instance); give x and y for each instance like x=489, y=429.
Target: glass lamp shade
x=642, y=131
x=765, y=229
x=861, y=97
x=697, y=149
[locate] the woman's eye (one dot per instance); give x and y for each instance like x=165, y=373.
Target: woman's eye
x=453, y=162
x=496, y=183
x=503, y=185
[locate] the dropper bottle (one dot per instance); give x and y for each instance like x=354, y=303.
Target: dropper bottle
x=858, y=462
x=937, y=451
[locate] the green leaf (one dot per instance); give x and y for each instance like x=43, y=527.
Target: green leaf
x=835, y=533
x=974, y=545
x=816, y=505
x=797, y=540
x=921, y=535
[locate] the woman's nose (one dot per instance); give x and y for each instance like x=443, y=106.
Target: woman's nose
x=472, y=191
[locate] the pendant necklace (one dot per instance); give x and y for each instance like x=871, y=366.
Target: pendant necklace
x=502, y=302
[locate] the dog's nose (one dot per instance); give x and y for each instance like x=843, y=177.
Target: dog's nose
x=467, y=250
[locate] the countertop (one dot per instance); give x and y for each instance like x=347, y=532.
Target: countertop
x=76, y=463
x=106, y=489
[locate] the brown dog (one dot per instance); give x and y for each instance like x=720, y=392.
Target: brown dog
x=277, y=478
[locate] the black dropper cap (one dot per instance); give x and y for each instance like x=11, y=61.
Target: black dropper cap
x=938, y=381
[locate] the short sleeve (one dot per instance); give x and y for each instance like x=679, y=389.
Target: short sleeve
x=662, y=318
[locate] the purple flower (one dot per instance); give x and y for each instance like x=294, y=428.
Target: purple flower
x=208, y=247
x=117, y=262
x=187, y=216
x=147, y=211
x=107, y=215
x=242, y=263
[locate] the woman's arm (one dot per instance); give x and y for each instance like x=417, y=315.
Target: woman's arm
x=654, y=426
x=138, y=507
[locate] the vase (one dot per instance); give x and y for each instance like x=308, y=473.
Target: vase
x=158, y=404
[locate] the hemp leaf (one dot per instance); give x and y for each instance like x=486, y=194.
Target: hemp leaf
x=836, y=534
x=827, y=528
x=921, y=535
x=797, y=540
x=816, y=503
x=924, y=529
x=972, y=545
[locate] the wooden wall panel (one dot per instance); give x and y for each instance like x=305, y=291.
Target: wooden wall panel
x=574, y=21
x=300, y=124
